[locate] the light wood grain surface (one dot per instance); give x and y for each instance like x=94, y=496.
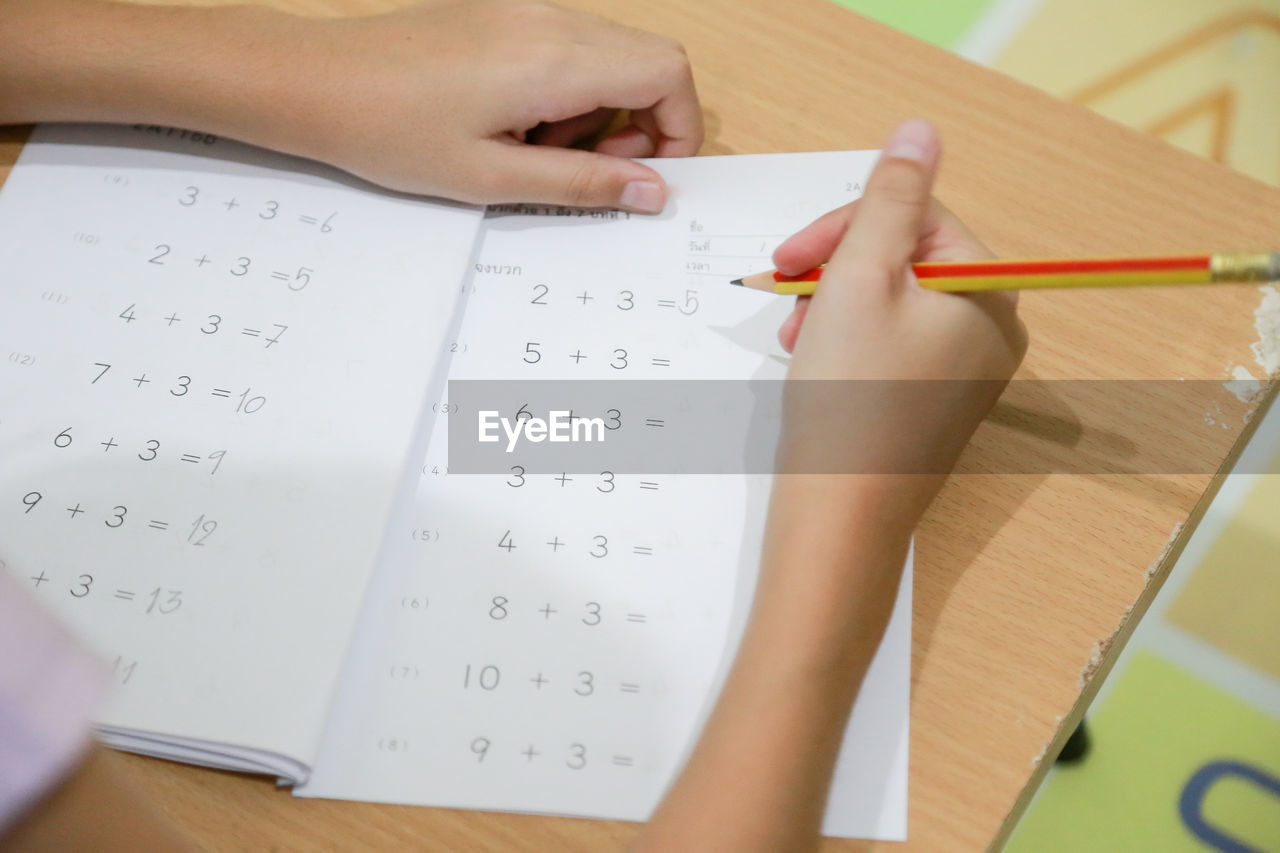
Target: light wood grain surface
x=1018, y=577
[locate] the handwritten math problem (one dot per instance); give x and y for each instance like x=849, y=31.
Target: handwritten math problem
x=186, y=359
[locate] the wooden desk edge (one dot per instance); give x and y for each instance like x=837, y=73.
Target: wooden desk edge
x=1115, y=644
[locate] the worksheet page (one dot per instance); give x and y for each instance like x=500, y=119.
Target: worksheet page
x=551, y=641
x=213, y=363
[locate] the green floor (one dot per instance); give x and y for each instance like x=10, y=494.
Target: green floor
x=942, y=22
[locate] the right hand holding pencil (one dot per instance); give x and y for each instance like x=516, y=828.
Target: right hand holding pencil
x=834, y=546
x=871, y=320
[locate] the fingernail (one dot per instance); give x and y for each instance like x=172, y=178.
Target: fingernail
x=914, y=139
x=644, y=196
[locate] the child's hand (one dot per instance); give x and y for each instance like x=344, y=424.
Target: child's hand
x=871, y=320
x=441, y=98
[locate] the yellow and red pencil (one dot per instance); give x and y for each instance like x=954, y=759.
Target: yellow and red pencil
x=1225, y=267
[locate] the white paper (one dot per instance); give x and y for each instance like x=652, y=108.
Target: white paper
x=213, y=360
x=548, y=677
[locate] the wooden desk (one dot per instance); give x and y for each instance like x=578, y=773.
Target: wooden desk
x=1018, y=577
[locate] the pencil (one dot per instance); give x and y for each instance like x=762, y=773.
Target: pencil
x=1221, y=268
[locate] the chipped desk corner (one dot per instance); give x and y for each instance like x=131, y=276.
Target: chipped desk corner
x=1164, y=552
x=1266, y=319
x=1101, y=647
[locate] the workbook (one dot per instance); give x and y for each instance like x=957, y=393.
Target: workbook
x=225, y=420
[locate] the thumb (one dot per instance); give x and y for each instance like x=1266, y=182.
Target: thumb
x=892, y=210
x=547, y=175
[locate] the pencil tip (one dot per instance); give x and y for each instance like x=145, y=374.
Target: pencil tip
x=737, y=281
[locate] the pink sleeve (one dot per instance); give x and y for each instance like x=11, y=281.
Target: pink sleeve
x=50, y=687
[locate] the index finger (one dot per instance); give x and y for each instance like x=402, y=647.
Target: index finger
x=654, y=81
x=674, y=122
x=673, y=116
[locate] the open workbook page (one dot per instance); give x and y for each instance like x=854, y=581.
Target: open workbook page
x=213, y=363
x=551, y=641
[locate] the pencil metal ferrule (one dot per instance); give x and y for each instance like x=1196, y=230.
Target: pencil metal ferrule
x=1245, y=266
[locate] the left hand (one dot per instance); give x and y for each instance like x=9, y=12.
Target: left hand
x=477, y=100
